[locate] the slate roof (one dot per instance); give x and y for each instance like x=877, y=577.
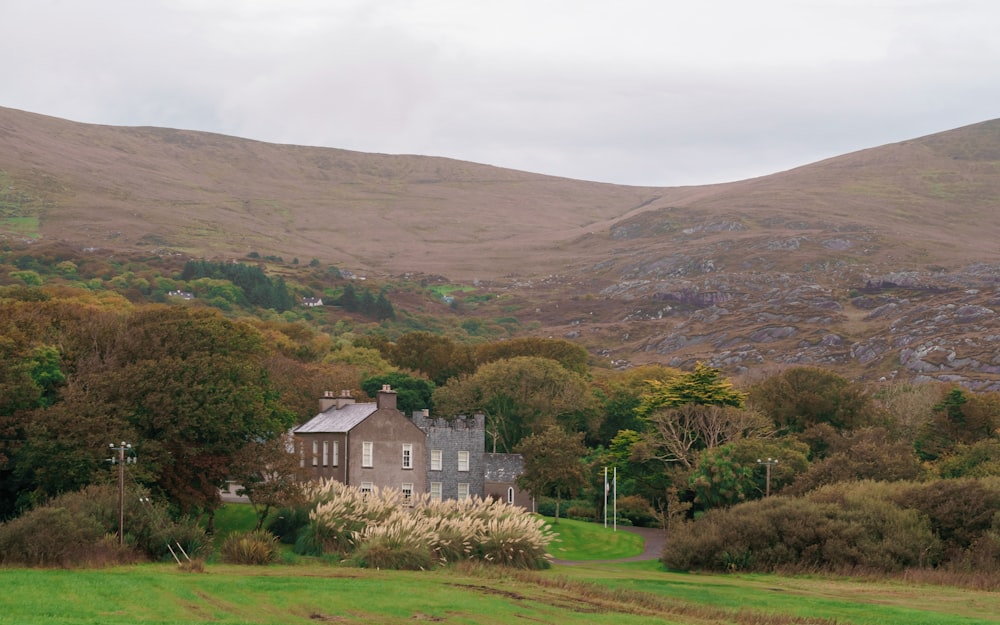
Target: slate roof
x=335, y=421
x=503, y=468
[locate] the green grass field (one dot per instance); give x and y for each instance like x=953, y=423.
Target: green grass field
x=589, y=592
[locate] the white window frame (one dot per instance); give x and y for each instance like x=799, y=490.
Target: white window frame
x=302, y=455
x=510, y=494
x=315, y=453
x=435, y=491
x=463, y=490
x=407, y=455
x=463, y=461
x=326, y=453
x=367, y=454
x=336, y=454
x=407, y=488
x=435, y=460
x=367, y=488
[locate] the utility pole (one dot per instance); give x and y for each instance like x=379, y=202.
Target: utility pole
x=770, y=462
x=120, y=460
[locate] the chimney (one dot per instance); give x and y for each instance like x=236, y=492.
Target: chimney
x=326, y=401
x=345, y=399
x=386, y=398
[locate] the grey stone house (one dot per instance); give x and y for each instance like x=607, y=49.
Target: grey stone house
x=374, y=444
x=363, y=445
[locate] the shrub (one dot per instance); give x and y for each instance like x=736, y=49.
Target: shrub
x=51, y=536
x=255, y=547
x=961, y=510
x=288, y=523
x=638, y=511
x=402, y=542
x=840, y=529
x=517, y=541
x=377, y=530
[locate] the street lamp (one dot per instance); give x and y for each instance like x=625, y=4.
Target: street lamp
x=121, y=460
x=770, y=462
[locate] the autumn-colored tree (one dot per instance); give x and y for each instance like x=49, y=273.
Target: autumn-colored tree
x=618, y=394
x=437, y=357
x=269, y=475
x=570, y=355
x=704, y=386
x=960, y=418
x=805, y=396
x=553, y=464
x=519, y=396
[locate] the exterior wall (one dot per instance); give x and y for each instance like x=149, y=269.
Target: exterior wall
x=314, y=465
x=450, y=437
x=502, y=471
x=387, y=430
x=501, y=491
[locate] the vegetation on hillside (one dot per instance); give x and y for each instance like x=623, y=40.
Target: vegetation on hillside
x=96, y=351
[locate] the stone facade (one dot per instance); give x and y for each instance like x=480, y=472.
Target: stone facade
x=364, y=445
x=455, y=450
x=375, y=444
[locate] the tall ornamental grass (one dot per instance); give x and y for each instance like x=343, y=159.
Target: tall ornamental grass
x=382, y=529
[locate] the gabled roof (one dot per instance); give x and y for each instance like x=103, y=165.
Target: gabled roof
x=337, y=421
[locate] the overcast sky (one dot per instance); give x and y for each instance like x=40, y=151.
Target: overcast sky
x=654, y=92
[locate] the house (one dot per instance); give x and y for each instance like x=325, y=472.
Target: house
x=455, y=449
x=374, y=444
x=500, y=480
x=364, y=444
x=312, y=302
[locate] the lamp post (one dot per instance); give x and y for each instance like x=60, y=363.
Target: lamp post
x=770, y=462
x=120, y=460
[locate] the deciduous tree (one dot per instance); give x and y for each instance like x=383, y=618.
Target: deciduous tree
x=553, y=464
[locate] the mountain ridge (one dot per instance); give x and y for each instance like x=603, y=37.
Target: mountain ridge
x=879, y=263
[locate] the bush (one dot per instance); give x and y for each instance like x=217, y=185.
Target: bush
x=288, y=523
x=255, y=547
x=517, y=541
x=961, y=511
x=378, y=530
x=403, y=542
x=74, y=526
x=638, y=511
x=840, y=528
x=52, y=536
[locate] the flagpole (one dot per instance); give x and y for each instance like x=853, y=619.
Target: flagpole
x=605, y=498
x=614, y=498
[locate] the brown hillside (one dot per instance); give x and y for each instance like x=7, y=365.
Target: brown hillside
x=880, y=263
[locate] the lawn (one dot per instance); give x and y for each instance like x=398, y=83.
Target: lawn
x=588, y=592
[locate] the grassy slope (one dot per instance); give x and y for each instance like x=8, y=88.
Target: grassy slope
x=589, y=592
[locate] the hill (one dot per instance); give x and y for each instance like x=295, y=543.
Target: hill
x=879, y=263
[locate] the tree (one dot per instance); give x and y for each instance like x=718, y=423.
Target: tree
x=519, y=396
x=703, y=387
x=959, y=418
x=805, y=396
x=570, y=355
x=188, y=388
x=412, y=393
x=553, y=464
x=678, y=435
x=269, y=475
x=618, y=394
x=719, y=480
x=437, y=357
